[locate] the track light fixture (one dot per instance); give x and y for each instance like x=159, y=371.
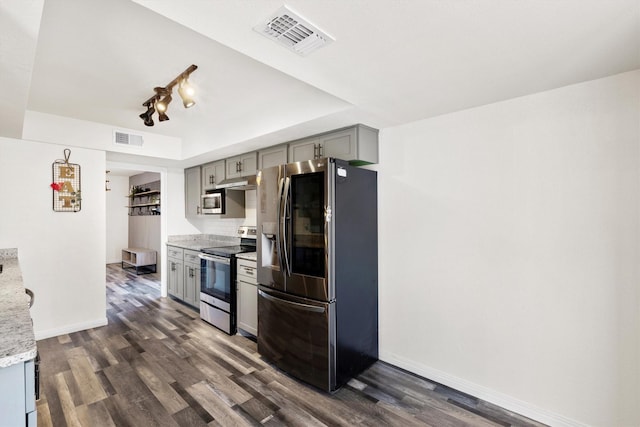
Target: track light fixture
x=160, y=100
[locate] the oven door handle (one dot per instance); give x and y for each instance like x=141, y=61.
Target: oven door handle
x=214, y=258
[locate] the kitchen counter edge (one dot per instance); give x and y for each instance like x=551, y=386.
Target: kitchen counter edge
x=17, y=339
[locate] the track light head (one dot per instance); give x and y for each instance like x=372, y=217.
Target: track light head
x=163, y=104
x=186, y=93
x=162, y=116
x=147, y=116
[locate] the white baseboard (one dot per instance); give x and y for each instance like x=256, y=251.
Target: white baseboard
x=505, y=401
x=68, y=329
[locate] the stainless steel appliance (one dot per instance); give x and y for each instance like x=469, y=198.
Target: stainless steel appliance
x=318, y=270
x=217, y=287
x=213, y=202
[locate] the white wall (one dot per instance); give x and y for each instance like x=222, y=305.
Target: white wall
x=117, y=217
x=61, y=254
x=509, y=248
x=81, y=133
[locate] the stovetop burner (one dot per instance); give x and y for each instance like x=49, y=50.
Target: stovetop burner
x=247, y=236
x=228, y=251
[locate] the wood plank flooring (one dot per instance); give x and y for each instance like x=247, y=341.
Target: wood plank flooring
x=158, y=364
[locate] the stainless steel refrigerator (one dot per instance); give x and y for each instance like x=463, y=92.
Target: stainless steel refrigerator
x=318, y=270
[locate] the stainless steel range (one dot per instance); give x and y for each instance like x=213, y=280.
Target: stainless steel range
x=217, y=289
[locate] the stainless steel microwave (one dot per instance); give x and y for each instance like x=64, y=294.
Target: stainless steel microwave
x=213, y=202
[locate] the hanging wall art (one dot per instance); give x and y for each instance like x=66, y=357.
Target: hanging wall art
x=66, y=185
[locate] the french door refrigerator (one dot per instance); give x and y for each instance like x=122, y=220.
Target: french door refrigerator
x=318, y=270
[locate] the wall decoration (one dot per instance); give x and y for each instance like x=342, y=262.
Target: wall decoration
x=66, y=185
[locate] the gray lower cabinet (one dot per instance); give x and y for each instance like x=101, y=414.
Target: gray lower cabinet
x=191, y=278
x=356, y=144
x=183, y=278
x=17, y=395
x=247, y=292
x=175, y=277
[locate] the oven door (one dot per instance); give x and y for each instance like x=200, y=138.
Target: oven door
x=215, y=278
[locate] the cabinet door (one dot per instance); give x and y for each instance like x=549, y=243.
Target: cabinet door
x=274, y=156
x=248, y=307
x=233, y=167
x=303, y=150
x=192, y=284
x=341, y=145
x=192, y=192
x=212, y=174
x=175, y=279
x=249, y=163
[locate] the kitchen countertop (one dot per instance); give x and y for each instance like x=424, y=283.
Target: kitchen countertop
x=198, y=242
x=250, y=256
x=17, y=341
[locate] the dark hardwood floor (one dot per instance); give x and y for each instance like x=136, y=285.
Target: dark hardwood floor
x=158, y=364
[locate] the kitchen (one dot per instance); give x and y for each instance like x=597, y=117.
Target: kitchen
x=498, y=240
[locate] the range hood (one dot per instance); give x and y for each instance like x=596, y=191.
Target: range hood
x=242, y=183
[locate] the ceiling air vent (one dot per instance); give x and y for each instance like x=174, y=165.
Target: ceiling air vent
x=123, y=138
x=294, y=32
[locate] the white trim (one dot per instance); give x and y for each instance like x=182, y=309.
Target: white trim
x=492, y=396
x=41, y=335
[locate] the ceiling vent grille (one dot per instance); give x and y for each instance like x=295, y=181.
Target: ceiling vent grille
x=294, y=32
x=123, y=138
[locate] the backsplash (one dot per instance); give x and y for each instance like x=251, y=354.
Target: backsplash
x=209, y=224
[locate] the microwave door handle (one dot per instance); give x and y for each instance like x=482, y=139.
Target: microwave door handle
x=285, y=223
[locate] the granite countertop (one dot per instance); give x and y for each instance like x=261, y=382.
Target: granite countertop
x=197, y=242
x=197, y=245
x=250, y=256
x=17, y=341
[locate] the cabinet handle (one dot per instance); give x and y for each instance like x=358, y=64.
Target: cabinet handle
x=190, y=272
x=211, y=179
x=238, y=166
x=320, y=151
x=173, y=266
x=315, y=151
x=198, y=210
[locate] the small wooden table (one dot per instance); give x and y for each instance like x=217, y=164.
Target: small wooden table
x=142, y=259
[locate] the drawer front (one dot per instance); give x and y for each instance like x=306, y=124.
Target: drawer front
x=246, y=271
x=175, y=252
x=191, y=256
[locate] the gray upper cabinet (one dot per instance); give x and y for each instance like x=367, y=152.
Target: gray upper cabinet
x=212, y=174
x=305, y=149
x=357, y=144
x=192, y=192
x=272, y=156
x=242, y=165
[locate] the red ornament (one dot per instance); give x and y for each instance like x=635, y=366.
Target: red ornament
x=56, y=186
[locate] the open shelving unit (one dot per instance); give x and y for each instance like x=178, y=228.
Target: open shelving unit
x=145, y=202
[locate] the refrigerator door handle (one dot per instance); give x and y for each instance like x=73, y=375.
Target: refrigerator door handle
x=279, y=228
x=305, y=307
x=285, y=223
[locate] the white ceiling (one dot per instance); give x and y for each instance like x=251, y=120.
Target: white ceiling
x=393, y=61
